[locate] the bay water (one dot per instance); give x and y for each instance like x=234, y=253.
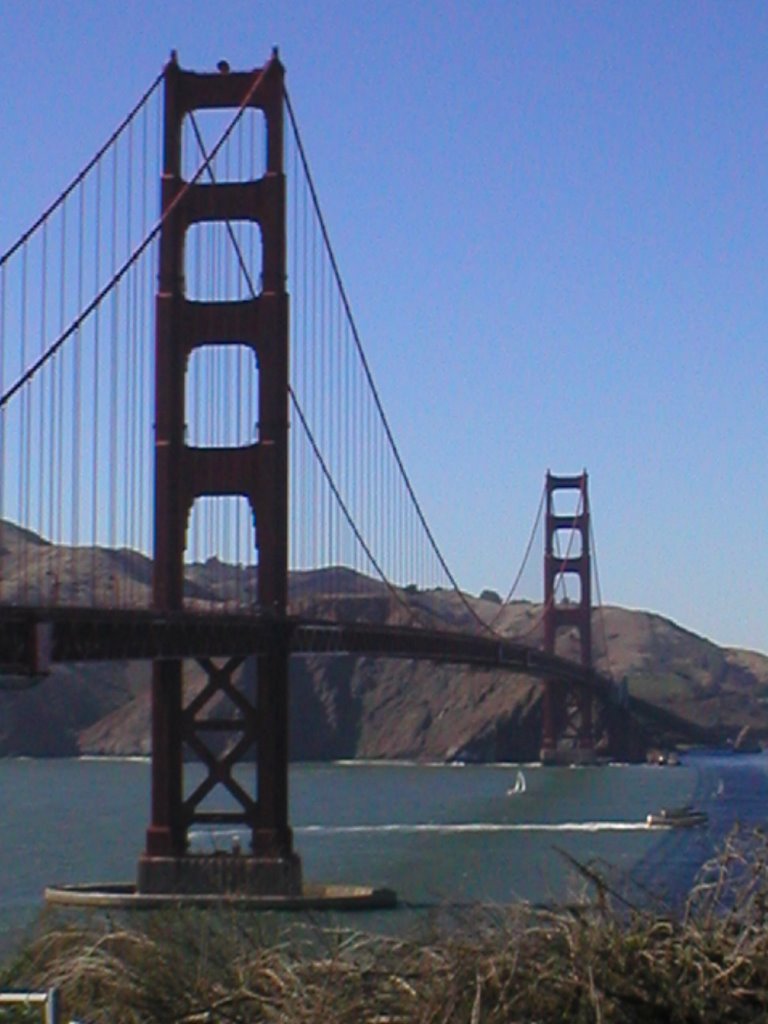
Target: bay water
x=439, y=835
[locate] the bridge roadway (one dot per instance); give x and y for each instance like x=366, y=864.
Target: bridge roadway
x=33, y=638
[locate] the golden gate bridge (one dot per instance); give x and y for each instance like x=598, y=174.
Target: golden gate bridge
x=238, y=429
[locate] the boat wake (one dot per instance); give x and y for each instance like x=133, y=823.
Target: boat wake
x=476, y=826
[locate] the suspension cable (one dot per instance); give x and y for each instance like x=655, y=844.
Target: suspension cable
x=526, y=556
x=342, y=505
x=136, y=254
x=367, y=370
x=84, y=172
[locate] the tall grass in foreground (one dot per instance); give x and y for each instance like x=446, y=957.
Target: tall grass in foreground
x=605, y=961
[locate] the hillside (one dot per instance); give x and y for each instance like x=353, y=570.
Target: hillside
x=343, y=707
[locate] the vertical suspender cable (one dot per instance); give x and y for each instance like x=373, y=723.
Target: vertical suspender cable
x=39, y=446
x=76, y=397
x=95, y=391
x=26, y=441
x=58, y=496
x=113, y=362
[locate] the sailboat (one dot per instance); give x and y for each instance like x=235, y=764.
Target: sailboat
x=519, y=786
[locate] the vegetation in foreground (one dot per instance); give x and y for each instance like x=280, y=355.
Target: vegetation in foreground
x=604, y=961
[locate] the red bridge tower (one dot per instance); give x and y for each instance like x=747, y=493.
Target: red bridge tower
x=568, y=727
x=257, y=471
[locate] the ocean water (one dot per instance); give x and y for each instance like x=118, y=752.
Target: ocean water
x=439, y=835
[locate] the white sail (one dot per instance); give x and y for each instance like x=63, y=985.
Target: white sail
x=519, y=786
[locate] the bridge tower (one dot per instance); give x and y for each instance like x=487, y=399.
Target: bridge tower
x=568, y=726
x=257, y=471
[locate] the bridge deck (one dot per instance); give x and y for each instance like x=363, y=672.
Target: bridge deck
x=31, y=639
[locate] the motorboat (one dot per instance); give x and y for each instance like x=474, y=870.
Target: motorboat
x=678, y=817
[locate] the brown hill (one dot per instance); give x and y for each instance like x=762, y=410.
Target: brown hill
x=343, y=707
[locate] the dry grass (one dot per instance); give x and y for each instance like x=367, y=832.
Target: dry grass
x=607, y=963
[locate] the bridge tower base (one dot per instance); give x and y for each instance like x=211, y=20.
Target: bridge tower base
x=568, y=736
x=225, y=874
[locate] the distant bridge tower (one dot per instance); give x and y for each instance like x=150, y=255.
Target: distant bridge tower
x=257, y=471
x=568, y=726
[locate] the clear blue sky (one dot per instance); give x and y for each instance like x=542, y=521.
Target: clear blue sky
x=552, y=220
